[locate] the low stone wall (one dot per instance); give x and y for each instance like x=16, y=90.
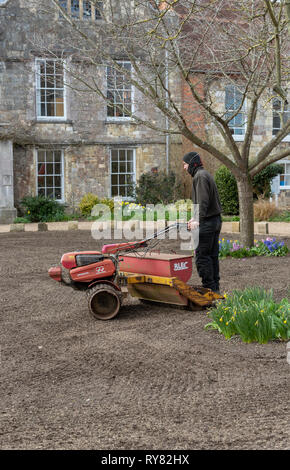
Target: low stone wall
x=267, y=228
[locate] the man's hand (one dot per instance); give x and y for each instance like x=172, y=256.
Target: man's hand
x=192, y=224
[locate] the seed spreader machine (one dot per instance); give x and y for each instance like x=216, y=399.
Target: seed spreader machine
x=121, y=269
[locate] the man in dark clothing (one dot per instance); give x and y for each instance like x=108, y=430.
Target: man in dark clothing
x=205, y=194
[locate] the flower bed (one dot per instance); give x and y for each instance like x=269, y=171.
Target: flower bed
x=268, y=247
x=253, y=315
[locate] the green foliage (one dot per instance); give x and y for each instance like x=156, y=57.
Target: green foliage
x=253, y=315
x=21, y=220
x=268, y=247
x=155, y=188
x=262, y=181
x=283, y=217
x=41, y=209
x=87, y=203
x=90, y=200
x=228, y=191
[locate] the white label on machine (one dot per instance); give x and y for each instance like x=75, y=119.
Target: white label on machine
x=180, y=266
x=100, y=269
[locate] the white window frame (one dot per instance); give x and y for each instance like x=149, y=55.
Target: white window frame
x=120, y=118
x=94, y=8
x=287, y=138
x=62, y=200
x=284, y=162
x=38, y=88
x=133, y=150
x=237, y=137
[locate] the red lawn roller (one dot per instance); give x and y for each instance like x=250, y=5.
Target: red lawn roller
x=121, y=269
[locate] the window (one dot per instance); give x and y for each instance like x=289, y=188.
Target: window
x=75, y=8
x=280, y=116
x=50, y=89
x=50, y=173
x=3, y=3
x=98, y=10
x=63, y=4
x=82, y=9
x=285, y=176
x=119, y=92
x=233, y=100
x=122, y=172
x=87, y=10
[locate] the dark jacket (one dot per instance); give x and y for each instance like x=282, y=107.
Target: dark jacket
x=205, y=193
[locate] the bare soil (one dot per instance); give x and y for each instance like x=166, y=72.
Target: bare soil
x=152, y=378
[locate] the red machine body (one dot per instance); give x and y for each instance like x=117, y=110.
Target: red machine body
x=91, y=272
x=158, y=264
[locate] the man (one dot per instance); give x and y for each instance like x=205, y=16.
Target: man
x=205, y=194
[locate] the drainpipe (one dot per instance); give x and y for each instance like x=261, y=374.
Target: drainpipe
x=167, y=138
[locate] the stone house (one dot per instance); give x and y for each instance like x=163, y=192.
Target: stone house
x=56, y=141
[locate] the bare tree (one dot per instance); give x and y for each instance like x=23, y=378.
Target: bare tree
x=186, y=53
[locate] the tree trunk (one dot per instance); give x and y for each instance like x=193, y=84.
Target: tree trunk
x=245, y=190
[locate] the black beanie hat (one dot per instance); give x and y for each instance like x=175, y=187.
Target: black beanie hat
x=192, y=157
x=194, y=162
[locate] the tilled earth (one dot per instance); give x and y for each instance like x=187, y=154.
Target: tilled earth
x=152, y=378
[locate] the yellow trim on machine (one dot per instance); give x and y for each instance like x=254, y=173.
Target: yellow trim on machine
x=142, y=278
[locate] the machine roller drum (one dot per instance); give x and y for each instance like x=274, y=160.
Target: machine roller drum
x=104, y=302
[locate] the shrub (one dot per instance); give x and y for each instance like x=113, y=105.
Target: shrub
x=184, y=202
x=262, y=181
x=21, y=220
x=263, y=210
x=41, y=209
x=155, y=188
x=87, y=203
x=253, y=315
x=228, y=191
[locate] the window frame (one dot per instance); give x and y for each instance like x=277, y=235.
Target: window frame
x=119, y=118
x=133, y=173
x=38, y=60
x=284, y=162
x=243, y=112
x=94, y=8
x=278, y=114
x=37, y=150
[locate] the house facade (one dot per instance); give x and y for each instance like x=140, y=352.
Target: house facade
x=58, y=140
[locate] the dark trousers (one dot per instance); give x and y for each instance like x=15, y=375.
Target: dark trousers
x=207, y=252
